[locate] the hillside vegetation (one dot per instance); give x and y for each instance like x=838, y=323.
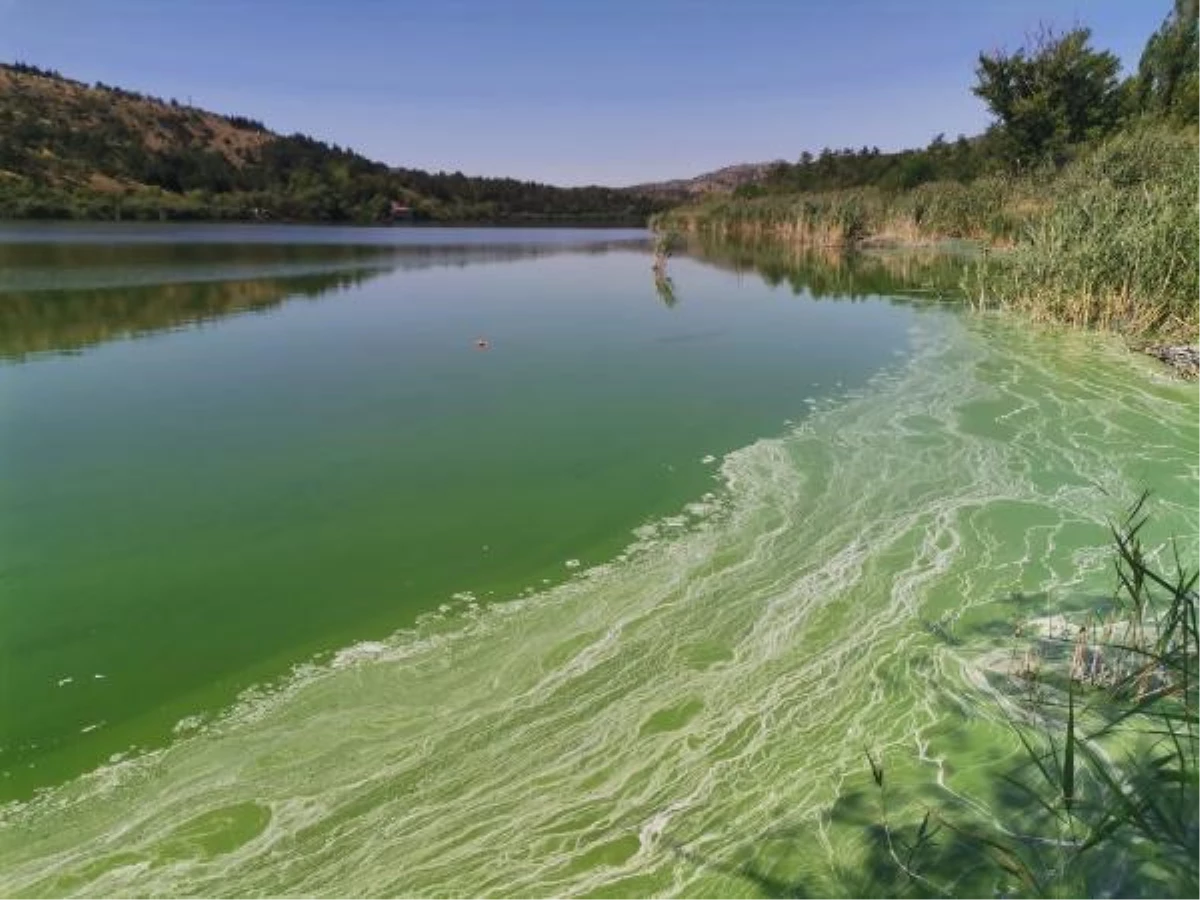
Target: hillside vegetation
x=76, y=151
x=1088, y=183
x=721, y=181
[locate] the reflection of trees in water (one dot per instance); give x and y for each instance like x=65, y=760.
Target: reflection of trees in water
x=838, y=274
x=42, y=321
x=136, y=289
x=68, y=256
x=63, y=264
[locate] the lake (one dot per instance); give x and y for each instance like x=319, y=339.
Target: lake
x=474, y=561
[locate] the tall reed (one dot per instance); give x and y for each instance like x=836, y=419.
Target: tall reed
x=1110, y=789
x=1116, y=245
x=1110, y=242
x=988, y=209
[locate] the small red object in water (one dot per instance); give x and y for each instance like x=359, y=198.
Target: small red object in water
x=482, y=344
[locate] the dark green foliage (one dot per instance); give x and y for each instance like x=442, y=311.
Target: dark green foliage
x=23, y=68
x=246, y=123
x=961, y=160
x=1166, y=83
x=1051, y=96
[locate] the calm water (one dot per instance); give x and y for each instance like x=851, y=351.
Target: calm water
x=200, y=508
x=329, y=600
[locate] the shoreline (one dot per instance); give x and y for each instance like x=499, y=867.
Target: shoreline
x=1180, y=358
x=1184, y=359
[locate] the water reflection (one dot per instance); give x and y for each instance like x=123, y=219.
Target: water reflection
x=665, y=288
x=59, y=265
x=664, y=247
x=830, y=273
x=64, y=297
x=70, y=320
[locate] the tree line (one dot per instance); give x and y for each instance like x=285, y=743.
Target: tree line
x=68, y=150
x=1049, y=101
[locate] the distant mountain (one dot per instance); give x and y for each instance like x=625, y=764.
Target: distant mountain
x=72, y=150
x=722, y=181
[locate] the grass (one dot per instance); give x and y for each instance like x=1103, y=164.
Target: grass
x=989, y=209
x=1109, y=793
x=1116, y=246
x=1109, y=242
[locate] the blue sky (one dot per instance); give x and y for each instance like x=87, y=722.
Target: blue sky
x=568, y=92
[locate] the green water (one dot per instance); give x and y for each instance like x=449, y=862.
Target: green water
x=731, y=536
x=192, y=512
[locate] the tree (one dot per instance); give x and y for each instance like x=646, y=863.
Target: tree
x=1166, y=83
x=1046, y=98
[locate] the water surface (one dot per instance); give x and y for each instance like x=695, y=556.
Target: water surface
x=212, y=477
x=610, y=607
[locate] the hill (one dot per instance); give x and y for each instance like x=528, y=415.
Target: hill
x=79, y=151
x=722, y=181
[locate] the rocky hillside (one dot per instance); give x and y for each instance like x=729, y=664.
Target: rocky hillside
x=73, y=150
x=722, y=181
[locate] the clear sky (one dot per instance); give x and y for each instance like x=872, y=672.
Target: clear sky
x=565, y=91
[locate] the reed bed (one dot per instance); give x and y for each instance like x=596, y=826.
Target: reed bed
x=1116, y=248
x=1111, y=241
x=990, y=209
x=1105, y=802
x=1115, y=765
